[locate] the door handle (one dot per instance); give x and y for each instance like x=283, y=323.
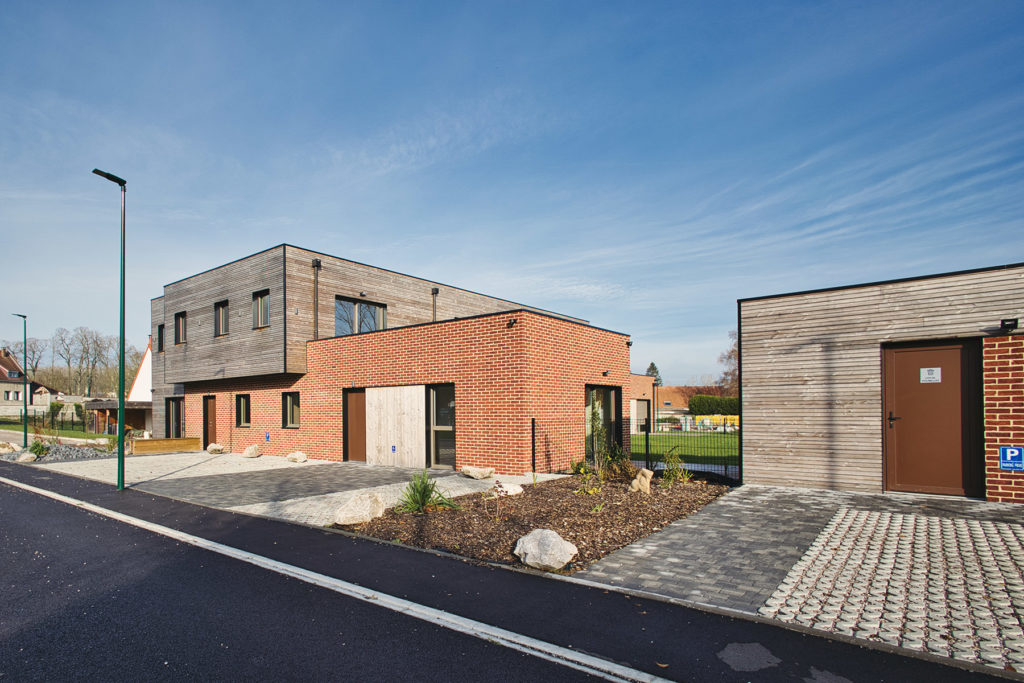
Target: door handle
x=891, y=419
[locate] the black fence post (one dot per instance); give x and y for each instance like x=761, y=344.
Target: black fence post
x=533, y=444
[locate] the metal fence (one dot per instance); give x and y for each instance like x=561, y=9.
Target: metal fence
x=44, y=421
x=714, y=451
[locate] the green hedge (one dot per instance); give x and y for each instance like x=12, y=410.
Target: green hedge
x=714, y=405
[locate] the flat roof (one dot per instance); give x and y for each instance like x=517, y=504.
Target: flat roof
x=883, y=282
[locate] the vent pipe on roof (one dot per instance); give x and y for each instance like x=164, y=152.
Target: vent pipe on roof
x=434, y=291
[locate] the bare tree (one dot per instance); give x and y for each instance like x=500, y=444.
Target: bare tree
x=93, y=351
x=64, y=349
x=729, y=381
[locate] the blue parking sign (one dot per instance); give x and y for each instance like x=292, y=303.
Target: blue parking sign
x=1011, y=458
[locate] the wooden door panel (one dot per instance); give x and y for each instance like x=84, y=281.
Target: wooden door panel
x=355, y=425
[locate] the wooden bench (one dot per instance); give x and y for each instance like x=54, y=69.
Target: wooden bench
x=152, y=446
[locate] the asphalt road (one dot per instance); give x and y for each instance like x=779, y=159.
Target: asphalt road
x=84, y=596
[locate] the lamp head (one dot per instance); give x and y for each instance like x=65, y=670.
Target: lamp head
x=110, y=176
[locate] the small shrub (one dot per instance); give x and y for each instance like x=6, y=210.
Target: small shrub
x=55, y=408
x=39, y=448
x=422, y=495
x=581, y=467
x=673, y=470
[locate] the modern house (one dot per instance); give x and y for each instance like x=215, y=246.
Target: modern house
x=907, y=385
x=292, y=349
x=138, y=406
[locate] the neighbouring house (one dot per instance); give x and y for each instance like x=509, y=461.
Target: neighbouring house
x=907, y=385
x=642, y=392
x=673, y=404
x=12, y=385
x=291, y=349
x=138, y=404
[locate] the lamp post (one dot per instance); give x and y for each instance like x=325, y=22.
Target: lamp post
x=24, y=377
x=120, y=356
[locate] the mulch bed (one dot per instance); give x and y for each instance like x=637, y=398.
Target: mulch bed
x=596, y=518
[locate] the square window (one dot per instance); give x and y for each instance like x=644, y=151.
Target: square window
x=290, y=410
x=242, y=410
x=220, y=318
x=179, y=328
x=261, y=308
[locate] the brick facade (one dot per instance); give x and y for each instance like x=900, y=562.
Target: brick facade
x=1003, y=361
x=504, y=372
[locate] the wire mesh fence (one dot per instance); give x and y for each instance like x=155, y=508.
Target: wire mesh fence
x=38, y=421
x=715, y=451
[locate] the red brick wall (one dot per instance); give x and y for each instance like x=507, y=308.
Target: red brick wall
x=1004, y=413
x=503, y=376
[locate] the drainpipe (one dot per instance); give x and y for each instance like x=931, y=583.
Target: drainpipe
x=316, y=298
x=434, y=291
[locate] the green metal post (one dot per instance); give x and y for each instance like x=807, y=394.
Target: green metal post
x=24, y=376
x=120, y=367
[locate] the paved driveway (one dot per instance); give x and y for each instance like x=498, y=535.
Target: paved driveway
x=930, y=573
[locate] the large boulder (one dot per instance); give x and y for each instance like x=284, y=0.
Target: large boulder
x=6, y=447
x=252, y=451
x=500, y=489
x=360, y=508
x=642, y=481
x=297, y=456
x=477, y=472
x=27, y=457
x=545, y=549
x=214, y=449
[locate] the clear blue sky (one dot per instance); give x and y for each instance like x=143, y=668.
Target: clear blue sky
x=641, y=165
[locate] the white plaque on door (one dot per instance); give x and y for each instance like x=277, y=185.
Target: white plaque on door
x=931, y=375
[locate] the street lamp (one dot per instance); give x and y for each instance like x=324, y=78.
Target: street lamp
x=120, y=356
x=24, y=377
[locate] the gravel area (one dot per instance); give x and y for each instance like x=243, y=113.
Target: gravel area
x=63, y=453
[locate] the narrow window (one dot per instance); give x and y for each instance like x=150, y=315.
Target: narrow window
x=179, y=328
x=160, y=338
x=242, y=410
x=175, y=418
x=220, y=318
x=352, y=316
x=441, y=407
x=290, y=410
x=261, y=308
x=7, y=396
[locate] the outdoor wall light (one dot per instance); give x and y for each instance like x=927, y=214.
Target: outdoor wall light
x=605, y=373
x=362, y=293
x=1008, y=324
x=629, y=343
x=511, y=322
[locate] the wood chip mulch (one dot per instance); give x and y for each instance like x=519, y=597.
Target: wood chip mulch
x=597, y=517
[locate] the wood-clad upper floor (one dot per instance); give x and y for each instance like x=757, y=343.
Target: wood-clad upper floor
x=811, y=367
x=254, y=316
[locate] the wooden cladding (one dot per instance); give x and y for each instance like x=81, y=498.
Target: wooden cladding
x=811, y=368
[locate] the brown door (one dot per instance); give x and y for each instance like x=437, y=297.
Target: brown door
x=931, y=418
x=209, y=420
x=355, y=425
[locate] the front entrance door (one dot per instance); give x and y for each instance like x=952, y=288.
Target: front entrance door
x=355, y=425
x=931, y=418
x=602, y=422
x=209, y=420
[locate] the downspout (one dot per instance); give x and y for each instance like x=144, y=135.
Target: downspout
x=316, y=298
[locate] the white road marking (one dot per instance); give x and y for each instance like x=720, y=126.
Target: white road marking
x=594, y=666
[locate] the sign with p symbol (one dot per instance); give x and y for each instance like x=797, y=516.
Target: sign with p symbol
x=1011, y=458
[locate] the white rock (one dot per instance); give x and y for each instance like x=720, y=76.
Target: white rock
x=477, y=472
x=509, y=489
x=642, y=481
x=26, y=457
x=214, y=449
x=6, y=447
x=252, y=451
x=544, y=549
x=360, y=508
x=297, y=456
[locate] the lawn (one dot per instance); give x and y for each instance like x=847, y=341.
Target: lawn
x=692, y=447
x=17, y=426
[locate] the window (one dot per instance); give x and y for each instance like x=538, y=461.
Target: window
x=242, y=410
x=261, y=308
x=16, y=395
x=179, y=328
x=220, y=318
x=7, y=396
x=441, y=407
x=175, y=418
x=351, y=316
x=160, y=338
x=290, y=409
